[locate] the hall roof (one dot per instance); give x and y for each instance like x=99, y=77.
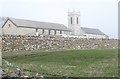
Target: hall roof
x=38, y=24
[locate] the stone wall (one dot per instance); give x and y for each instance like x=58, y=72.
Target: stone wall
x=13, y=43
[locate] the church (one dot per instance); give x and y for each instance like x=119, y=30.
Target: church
x=14, y=26
x=75, y=26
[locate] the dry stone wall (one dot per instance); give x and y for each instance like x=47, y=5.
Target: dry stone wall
x=14, y=43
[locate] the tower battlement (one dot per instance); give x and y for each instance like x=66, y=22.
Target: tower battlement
x=74, y=12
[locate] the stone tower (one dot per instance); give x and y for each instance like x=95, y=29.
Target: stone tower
x=74, y=22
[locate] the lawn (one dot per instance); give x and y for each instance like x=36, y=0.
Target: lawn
x=69, y=63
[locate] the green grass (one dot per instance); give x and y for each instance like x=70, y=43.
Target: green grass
x=72, y=63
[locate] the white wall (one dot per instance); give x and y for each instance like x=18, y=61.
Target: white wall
x=95, y=36
x=11, y=29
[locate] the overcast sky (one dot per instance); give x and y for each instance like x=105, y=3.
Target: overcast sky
x=101, y=14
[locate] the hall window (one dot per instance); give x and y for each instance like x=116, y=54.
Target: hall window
x=43, y=31
x=36, y=30
x=60, y=32
x=9, y=25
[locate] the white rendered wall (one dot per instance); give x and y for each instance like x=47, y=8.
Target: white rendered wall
x=40, y=31
x=10, y=29
x=57, y=32
x=95, y=36
x=51, y=32
x=46, y=31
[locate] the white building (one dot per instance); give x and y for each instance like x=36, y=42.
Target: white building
x=13, y=26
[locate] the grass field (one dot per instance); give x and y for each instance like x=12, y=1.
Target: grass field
x=72, y=63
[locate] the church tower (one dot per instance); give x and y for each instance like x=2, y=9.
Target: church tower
x=74, y=22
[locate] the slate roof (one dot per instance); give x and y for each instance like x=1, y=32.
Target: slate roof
x=92, y=31
x=38, y=24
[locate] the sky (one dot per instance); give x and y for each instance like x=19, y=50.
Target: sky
x=100, y=14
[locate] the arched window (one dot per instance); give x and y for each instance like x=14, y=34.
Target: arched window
x=77, y=20
x=71, y=20
x=9, y=25
x=55, y=32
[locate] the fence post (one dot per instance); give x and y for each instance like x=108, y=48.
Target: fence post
x=1, y=34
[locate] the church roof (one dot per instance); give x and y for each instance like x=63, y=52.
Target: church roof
x=92, y=31
x=38, y=24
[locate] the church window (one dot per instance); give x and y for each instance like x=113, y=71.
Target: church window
x=49, y=32
x=71, y=20
x=55, y=32
x=77, y=20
